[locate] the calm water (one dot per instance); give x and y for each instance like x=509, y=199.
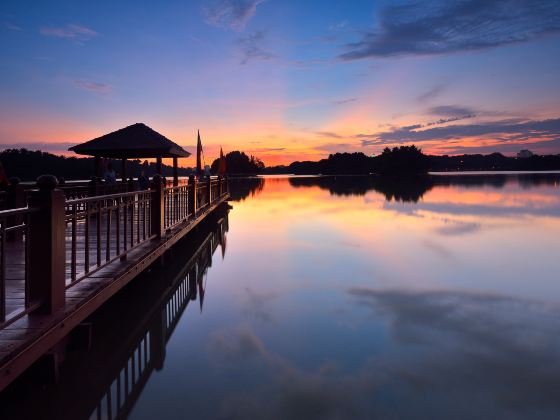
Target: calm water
x=335, y=298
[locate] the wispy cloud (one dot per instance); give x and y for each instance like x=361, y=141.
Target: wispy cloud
x=345, y=101
x=251, y=48
x=268, y=150
x=99, y=88
x=329, y=134
x=12, y=26
x=447, y=26
x=431, y=94
x=231, y=14
x=511, y=130
x=451, y=111
x=70, y=31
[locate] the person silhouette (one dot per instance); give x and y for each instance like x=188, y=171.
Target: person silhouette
x=143, y=181
x=110, y=175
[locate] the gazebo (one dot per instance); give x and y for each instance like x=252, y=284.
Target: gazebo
x=137, y=141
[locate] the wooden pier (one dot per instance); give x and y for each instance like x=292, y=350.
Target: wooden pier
x=61, y=258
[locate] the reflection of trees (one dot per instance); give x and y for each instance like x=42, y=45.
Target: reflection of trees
x=129, y=336
x=241, y=188
x=336, y=185
x=407, y=188
x=412, y=188
x=498, y=180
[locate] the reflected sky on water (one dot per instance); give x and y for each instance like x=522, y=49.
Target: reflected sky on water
x=373, y=298
x=361, y=297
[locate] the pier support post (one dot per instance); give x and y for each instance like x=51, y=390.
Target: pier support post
x=47, y=252
x=192, y=196
x=156, y=206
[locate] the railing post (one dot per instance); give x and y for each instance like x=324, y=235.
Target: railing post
x=157, y=205
x=209, y=190
x=192, y=195
x=219, y=186
x=47, y=247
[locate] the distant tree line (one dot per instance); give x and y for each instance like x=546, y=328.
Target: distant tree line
x=411, y=160
x=28, y=165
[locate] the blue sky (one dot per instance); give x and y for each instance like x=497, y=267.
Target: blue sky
x=284, y=80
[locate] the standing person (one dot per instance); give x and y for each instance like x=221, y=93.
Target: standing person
x=143, y=182
x=110, y=175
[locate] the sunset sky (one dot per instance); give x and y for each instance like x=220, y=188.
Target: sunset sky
x=284, y=80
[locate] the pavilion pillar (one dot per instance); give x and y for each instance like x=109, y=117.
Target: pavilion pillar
x=156, y=206
x=175, y=172
x=123, y=170
x=158, y=165
x=97, y=166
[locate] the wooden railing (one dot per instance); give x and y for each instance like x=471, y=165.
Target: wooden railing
x=55, y=242
x=101, y=229
x=176, y=201
x=14, y=264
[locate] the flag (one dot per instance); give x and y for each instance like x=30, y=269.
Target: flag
x=222, y=169
x=198, y=156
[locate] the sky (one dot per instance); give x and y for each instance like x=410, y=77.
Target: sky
x=284, y=80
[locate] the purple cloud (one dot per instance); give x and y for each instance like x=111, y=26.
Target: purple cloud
x=99, y=88
x=70, y=31
x=448, y=26
x=231, y=14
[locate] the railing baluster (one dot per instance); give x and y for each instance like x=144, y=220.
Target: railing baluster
x=118, y=227
x=87, y=222
x=132, y=225
x=73, y=227
x=99, y=214
x=3, y=270
x=125, y=224
x=108, y=234
x=137, y=222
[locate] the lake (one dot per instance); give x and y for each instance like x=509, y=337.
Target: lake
x=337, y=298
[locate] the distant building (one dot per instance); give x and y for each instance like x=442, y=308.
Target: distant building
x=525, y=154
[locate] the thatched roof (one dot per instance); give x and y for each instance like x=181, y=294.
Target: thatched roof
x=135, y=141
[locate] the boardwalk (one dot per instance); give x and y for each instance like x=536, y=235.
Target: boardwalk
x=105, y=242
x=132, y=349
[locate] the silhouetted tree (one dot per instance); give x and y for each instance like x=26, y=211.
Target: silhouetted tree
x=238, y=163
x=401, y=160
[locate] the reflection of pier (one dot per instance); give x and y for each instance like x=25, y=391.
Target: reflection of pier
x=125, y=354
x=149, y=353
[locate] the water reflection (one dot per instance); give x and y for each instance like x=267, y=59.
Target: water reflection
x=128, y=345
x=412, y=189
x=343, y=298
x=241, y=188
